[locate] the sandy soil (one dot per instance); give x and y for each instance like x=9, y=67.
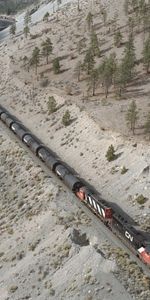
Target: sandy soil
x=40, y=257
x=96, y=123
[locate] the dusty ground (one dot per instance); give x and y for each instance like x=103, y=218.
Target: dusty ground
x=96, y=123
x=40, y=257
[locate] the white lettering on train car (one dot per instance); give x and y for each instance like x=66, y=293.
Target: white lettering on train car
x=128, y=236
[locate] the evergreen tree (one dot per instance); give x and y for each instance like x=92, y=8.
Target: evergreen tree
x=51, y=105
x=119, y=79
x=146, y=55
x=132, y=116
x=118, y=38
x=26, y=31
x=66, y=119
x=93, y=80
x=13, y=29
x=129, y=59
x=131, y=25
x=35, y=58
x=89, y=62
x=89, y=20
x=47, y=48
x=26, y=63
x=78, y=70
x=95, y=44
x=106, y=72
x=147, y=125
x=46, y=16
x=146, y=17
x=110, y=154
x=126, y=7
x=27, y=18
x=104, y=15
x=56, y=65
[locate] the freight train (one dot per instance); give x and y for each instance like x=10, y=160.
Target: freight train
x=115, y=221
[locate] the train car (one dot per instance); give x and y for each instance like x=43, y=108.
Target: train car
x=73, y=183
x=18, y=129
x=9, y=121
x=132, y=237
x=1, y=111
x=47, y=156
x=144, y=252
x=99, y=205
x=33, y=143
x=4, y=116
x=61, y=171
x=140, y=243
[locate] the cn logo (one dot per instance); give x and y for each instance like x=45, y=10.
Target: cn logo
x=128, y=236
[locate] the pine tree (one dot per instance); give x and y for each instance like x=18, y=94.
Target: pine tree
x=95, y=44
x=131, y=25
x=146, y=55
x=118, y=38
x=46, y=16
x=35, y=58
x=13, y=29
x=89, y=20
x=106, y=72
x=27, y=18
x=146, y=17
x=47, y=48
x=78, y=70
x=93, y=80
x=110, y=154
x=126, y=7
x=147, y=125
x=129, y=59
x=66, y=119
x=26, y=62
x=89, y=62
x=132, y=116
x=26, y=31
x=51, y=105
x=119, y=79
x=56, y=65
x=104, y=15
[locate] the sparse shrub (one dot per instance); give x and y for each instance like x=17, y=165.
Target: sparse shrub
x=56, y=65
x=44, y=82
x=13, y=288
x=52, y=292
x=68, y=90
x=123, y=170
x=46, y=16
x=87, y=278
x=51, y=104
x=20, y=203
x=66, y=119
x=141, y=199
x=110, y=154
x=118, y=38
x=10, y=230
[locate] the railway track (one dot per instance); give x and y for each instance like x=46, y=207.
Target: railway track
x=96, y=222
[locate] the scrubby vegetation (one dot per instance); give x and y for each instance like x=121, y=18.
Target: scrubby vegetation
x=110, y=154
x=141, y=199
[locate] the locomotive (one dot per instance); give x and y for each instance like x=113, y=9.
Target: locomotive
x=115, y=221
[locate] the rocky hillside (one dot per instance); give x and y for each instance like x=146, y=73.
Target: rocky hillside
x=12, y=6
x=49, y=248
